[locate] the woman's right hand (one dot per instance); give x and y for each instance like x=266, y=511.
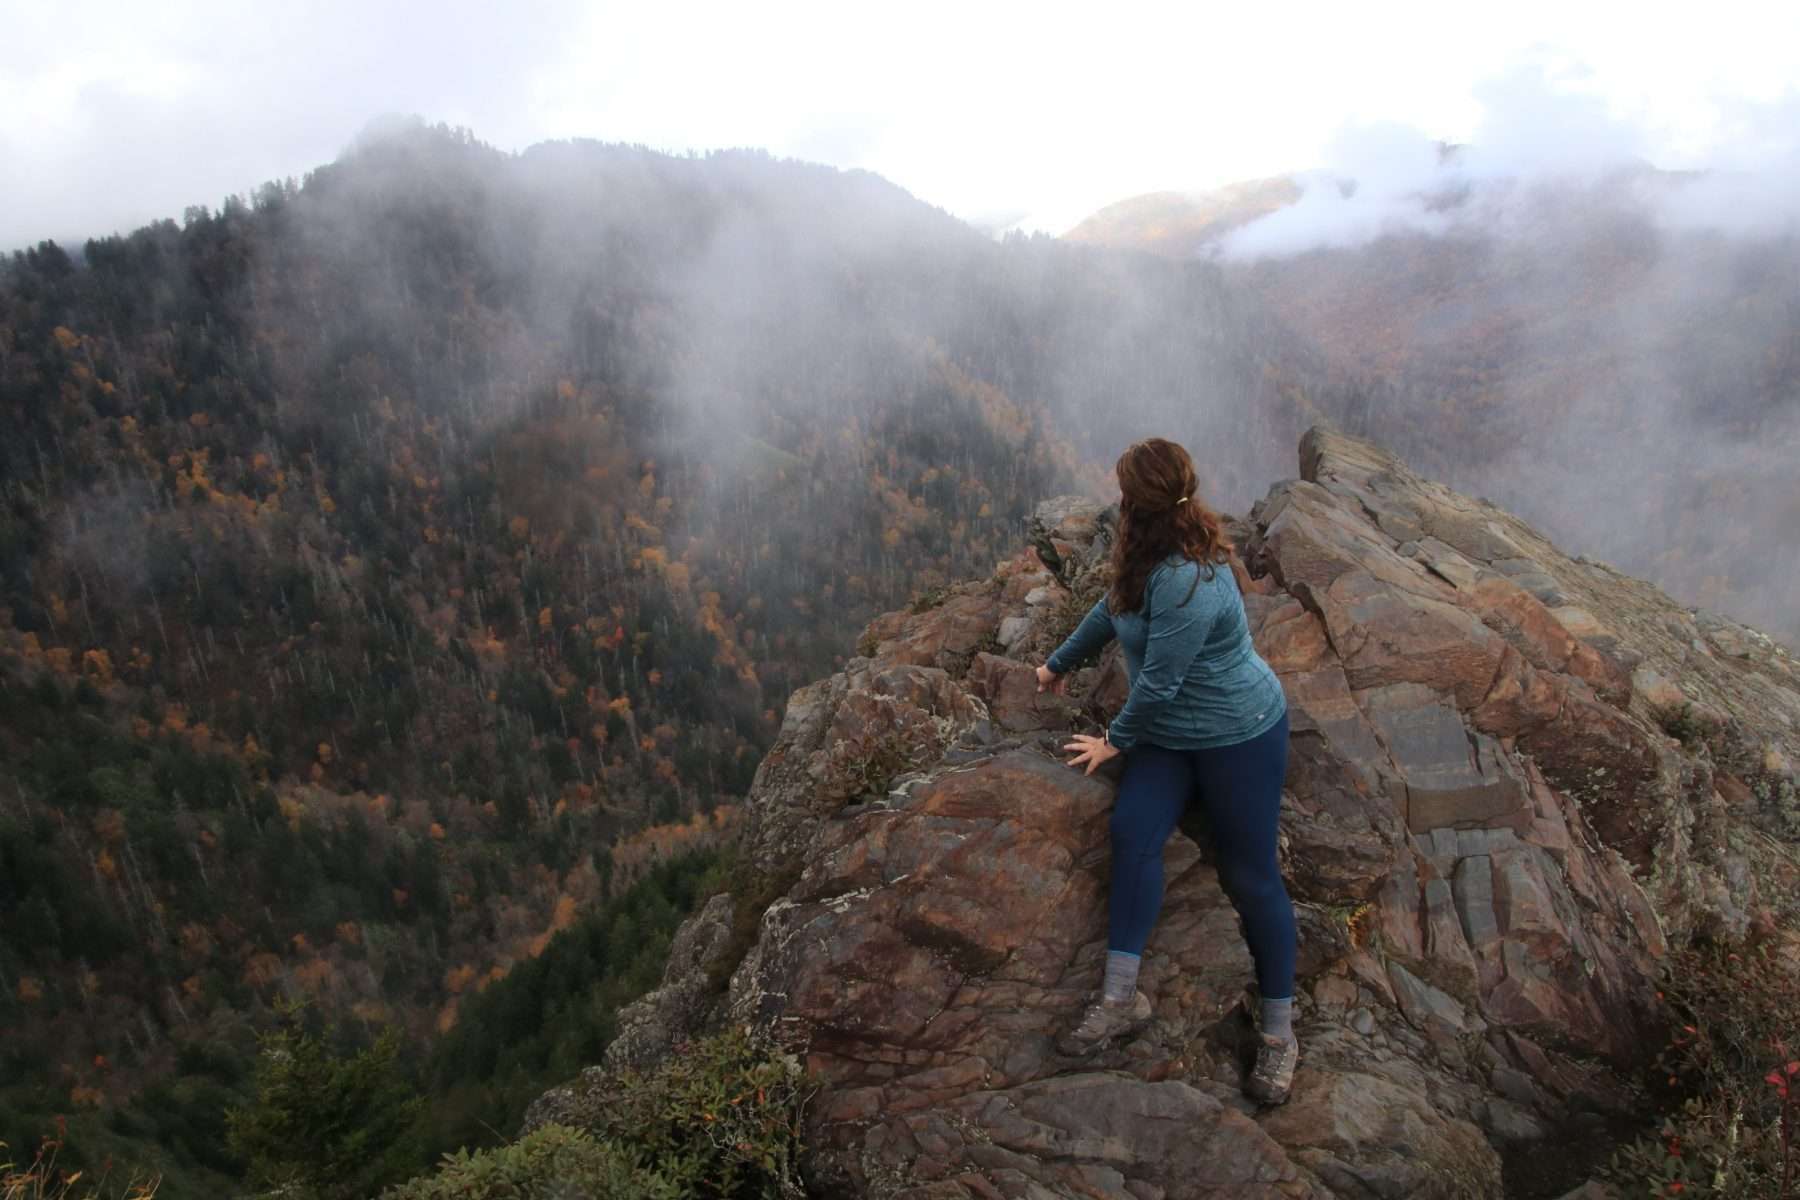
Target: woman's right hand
x=1050, y=681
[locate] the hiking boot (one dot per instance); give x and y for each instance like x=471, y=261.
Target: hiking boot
x=1102, y=1022
x=1273, y=1075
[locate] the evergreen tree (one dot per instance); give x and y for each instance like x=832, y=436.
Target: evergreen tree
x=327, y=1126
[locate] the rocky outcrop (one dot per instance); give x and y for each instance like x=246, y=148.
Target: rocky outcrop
x=1515, y=776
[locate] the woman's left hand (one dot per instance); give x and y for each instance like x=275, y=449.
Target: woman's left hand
x=1093, y=751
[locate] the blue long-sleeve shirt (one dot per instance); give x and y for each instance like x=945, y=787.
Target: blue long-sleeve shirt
x=1196, y=679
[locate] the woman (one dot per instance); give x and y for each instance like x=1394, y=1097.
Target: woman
x=1205, y=717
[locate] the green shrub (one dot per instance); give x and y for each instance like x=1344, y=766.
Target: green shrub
x=864, y=765
x=721, y=1117
x=754, y=886
x=929, y=598
x=1779, y=797
x=555, y=1161
x=719, y=1120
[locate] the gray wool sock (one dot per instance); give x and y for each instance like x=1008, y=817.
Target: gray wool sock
x=1121, y=977
x=1278, y=1018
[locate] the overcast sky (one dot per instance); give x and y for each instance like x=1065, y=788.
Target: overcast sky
x=115, y=113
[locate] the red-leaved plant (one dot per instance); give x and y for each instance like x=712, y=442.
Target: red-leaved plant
x=1732, y=1073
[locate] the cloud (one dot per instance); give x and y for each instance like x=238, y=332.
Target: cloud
x=1388, y=177
x=119, y=113
x=1538, y=127
x=1754, y=186
x=116, y=118
x=1536, y=122
x=1612, y=336
x=1381, y=181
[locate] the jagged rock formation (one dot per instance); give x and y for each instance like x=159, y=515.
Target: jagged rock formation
x=1492, y=833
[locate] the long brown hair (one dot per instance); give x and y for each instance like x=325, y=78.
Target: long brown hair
x=1159, y=515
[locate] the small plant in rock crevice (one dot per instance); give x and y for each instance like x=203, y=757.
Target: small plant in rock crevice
x=1687, y=727
x=753, y=887
x=929, y=599
x=1071, y=607
x=865, y=766
x=1779, y=798
x=958, y=665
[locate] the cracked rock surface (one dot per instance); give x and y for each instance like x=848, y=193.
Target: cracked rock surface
x=1489, y=832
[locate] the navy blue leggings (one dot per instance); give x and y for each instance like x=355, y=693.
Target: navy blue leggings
x=1240, y=786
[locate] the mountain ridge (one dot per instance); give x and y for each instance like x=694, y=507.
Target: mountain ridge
x=1181, y=223
x=383, y=553
x=1491, y=834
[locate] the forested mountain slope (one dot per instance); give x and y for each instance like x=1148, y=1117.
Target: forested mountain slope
x=393, y=565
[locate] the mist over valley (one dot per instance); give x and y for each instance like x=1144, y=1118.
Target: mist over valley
x=405, y=570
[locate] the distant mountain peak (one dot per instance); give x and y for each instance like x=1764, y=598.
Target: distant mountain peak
x=1176, y=222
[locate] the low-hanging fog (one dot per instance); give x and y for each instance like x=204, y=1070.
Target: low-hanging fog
x=402, y=563
x=1545, y=317
x=823, y=383
x=1549, y=321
